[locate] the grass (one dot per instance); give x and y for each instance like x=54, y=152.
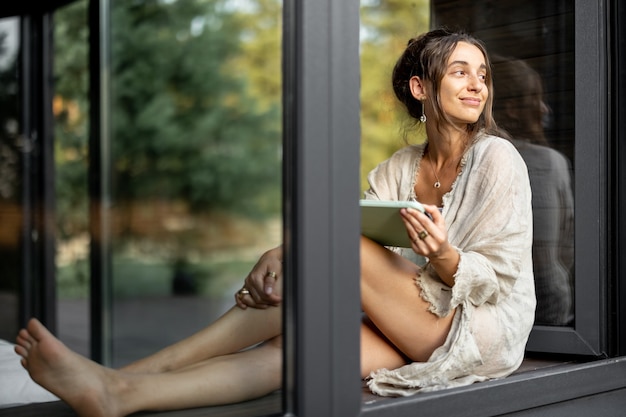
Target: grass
x=133, y=277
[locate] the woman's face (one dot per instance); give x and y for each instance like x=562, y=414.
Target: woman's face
x=463, y=91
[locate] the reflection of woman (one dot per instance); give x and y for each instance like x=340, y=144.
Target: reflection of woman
x=464, y=317
x=520, y=110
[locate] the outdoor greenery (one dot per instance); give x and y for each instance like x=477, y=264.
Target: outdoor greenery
x=195, y=133
x=386, y=27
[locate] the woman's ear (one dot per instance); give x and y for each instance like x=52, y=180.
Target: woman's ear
x=417, y=88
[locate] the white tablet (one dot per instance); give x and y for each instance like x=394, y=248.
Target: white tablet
x=381, y=221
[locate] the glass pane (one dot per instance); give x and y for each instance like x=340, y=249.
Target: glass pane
x=195, y=161
x=532, y=48
x=10, y=178
x=71, y=123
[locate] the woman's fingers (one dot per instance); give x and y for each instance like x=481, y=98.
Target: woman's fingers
x=425, y=232
x=261, y=287
x=259, y=291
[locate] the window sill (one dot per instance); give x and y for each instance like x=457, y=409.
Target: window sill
x=539, y=383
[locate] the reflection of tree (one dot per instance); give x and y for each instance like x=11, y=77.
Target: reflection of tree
x=386, y=26
x=9, y=161
x=185, y=126
x=10, y=210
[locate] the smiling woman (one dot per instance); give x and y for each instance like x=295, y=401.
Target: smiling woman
x=463, y=92
x=479, y=269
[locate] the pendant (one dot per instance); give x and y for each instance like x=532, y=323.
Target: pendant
x=437, y=184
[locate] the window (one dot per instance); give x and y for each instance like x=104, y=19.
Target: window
x=321, y=183
x=324, y=309
x=10, y=176
x=188, y=165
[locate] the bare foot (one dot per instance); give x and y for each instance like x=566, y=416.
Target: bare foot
x=86, y=386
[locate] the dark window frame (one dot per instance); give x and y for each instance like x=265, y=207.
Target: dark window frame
x=617, y=181
x=37, y=291
x=588, y=335
x=323, y=229
x=321, y=162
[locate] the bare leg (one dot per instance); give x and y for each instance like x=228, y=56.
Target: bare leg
x=94, y=391
x=392, y=301
x=377, y=352
x=235, y=330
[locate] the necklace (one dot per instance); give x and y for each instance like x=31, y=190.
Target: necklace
x=437, y=183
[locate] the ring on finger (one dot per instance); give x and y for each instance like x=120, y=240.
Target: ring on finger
x=423, y=234
x=271, y=274
x=243, y=291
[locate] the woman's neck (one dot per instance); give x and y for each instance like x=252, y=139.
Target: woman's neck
x=446, y=146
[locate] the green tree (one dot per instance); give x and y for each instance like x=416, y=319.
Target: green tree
x=184, y=125
x=195, y=118
x=71, y=109
x=386, y=26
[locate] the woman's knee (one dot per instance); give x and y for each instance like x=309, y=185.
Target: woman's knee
x=275, y=342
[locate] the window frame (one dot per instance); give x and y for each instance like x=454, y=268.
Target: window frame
x=321, y=161
x=617, y=291
x=588, y=335
x=321, y=230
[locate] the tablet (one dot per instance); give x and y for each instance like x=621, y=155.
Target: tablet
x=381, y=221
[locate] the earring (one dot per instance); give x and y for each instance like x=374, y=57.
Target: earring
x=423, y=116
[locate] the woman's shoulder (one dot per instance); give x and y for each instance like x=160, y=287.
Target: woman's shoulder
x=411, y=150
x=487, y=142
x=496, y=159
x=405, y=154
x=496, y=149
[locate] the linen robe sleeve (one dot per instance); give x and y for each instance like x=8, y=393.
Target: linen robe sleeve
x=393, y=179
x=492, y=224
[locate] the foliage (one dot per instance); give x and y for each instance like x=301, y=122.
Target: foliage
x=386, y=26
x=196, y=99
x=195, y=106
x=71, y=110
x=185, y=125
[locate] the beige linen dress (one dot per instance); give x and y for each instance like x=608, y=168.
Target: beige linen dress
x=489, y=218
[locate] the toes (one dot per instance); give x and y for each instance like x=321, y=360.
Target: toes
x=22, y=351
x=26, y=337
x=36, y=329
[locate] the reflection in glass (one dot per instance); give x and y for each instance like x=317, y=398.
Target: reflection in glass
x=195, y=160
x=10, y=178
x=519, y=109
x=385, y=28
x=71, y=120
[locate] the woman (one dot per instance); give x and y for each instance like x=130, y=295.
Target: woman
x=464, y=316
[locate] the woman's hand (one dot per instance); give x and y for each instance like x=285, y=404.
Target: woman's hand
x=428, y=236
x=430, y=239
x=262, y=287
